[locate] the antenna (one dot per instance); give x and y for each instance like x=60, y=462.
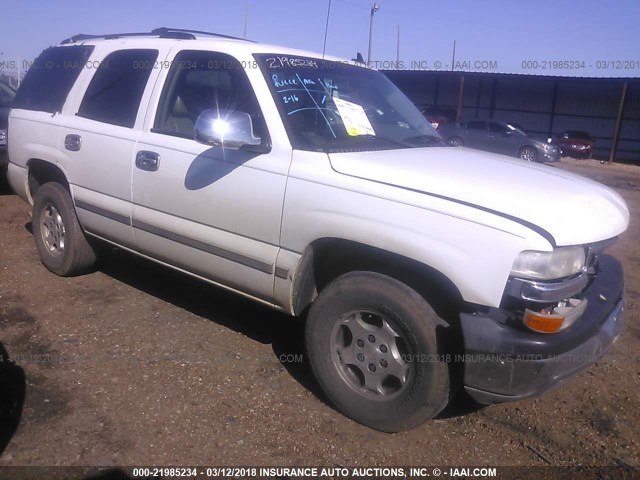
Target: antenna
x=326, y=30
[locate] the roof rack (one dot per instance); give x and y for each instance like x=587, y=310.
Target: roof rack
x=172, y=31
x=162, y=32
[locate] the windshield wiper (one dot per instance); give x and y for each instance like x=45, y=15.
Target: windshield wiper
x=425, y=139
x=382, y=139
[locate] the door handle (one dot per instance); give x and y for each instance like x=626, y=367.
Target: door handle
x=148, y=161
x=72, y=142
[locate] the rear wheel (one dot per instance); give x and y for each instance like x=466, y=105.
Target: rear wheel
x=59, y=238
x=456, y=142
x=372, y=344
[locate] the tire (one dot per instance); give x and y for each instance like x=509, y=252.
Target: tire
x=371, y=342
x=456, y=142
x=528, y=153
x=61, y=243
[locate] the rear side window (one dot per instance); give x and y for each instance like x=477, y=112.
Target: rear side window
x=47, y=83
x=115, y=91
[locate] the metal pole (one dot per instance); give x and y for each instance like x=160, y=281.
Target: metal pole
x=460, y=95
x=326, y=30
x=616, y=133
x=374, y=9
x=246, y=17
x=398, y=48
x=554, y=99
x=453, y=59
x=492, y=106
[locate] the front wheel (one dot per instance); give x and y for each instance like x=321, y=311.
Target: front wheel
x=59, y=238
x=456, y=142
x=529, y=154
x=372, y=345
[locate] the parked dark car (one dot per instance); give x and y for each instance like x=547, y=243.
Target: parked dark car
x=438, y=115
x=498, y=137
x=6, y=98
x=577, y=144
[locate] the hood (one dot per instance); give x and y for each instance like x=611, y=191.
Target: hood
x=543, y=140
x=573, y=209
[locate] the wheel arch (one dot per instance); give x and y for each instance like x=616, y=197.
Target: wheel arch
x=41, y=171
x=326, y=259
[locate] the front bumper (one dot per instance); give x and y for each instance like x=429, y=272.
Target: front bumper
x=569, y=151
x=550, y=156
x=503, y=363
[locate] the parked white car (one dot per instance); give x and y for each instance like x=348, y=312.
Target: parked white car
x=315, y=186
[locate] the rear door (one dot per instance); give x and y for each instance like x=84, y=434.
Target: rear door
x=98, y=137
x=500, y=139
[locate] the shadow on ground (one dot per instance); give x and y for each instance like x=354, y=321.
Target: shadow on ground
x=110, y=474
x=5, y=189
x=284, y=333
x=462, y=404
x=12, y=392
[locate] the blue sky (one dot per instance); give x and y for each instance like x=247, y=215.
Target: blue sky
x=503, y=34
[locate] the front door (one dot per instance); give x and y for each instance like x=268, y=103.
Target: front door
x=207, y=210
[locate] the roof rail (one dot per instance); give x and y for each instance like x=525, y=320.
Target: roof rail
x=170, y=30
x=162, y=32
x=83, y=36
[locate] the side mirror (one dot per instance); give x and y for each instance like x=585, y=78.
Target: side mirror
x=226, y=129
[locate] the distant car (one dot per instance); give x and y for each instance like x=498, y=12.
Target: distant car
x=438, y=115
x=498, y=137
x=6, y=98
x=577, y=144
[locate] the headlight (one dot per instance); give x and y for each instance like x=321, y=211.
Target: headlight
x=3, y=136
x=560, y=263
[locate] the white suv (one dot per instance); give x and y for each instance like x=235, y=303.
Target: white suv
x=313, y=185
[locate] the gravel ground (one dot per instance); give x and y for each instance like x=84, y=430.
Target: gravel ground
x=138, y=365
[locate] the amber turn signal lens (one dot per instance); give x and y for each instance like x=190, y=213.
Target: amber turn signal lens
x=542, y=323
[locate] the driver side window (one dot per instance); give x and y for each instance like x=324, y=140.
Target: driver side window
x=198, y=81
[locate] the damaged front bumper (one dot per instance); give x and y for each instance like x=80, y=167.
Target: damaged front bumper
x=505, y=363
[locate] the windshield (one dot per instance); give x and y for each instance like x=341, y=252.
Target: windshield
x=577, y=135
x=516, y=128
x=336, y=107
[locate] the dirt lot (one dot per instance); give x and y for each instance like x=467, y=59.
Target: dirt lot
x=137, y=365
